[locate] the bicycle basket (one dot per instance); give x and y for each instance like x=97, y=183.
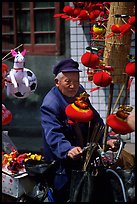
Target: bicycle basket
x=36, y=167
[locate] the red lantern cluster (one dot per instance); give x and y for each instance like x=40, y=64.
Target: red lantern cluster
x=85, y=11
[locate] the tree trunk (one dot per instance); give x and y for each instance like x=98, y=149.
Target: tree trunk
x=116, y=50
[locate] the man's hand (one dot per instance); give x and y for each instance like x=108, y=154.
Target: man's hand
x=112, y=143
x=73, y=152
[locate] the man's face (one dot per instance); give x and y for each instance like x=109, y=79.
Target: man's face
x=68, y=84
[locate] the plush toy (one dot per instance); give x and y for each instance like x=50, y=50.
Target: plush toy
x=20, y=81
x=23, y=90
x=17, y=74
x=79, y=110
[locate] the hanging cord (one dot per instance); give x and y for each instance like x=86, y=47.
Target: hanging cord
x=10, y=53
x=120, y=93
x=108, y=113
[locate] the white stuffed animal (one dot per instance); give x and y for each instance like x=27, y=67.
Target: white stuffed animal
x=18, y=74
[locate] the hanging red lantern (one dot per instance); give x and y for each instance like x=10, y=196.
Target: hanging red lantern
x=90, y=59
x=102, y=78
x=6, y=116
x=130, y=69
x=83, y=15
x=118, y=121
x=79, y=110
x=118, y=125
x=68, y=10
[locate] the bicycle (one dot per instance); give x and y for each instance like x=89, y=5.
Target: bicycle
x=103, y=180
x=101, y=165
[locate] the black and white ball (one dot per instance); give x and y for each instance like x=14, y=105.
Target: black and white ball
x=23, y=91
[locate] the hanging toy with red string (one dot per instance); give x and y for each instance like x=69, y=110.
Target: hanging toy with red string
x=90, y=59
x=79, y=111
x=6, y=115
x=118, y=120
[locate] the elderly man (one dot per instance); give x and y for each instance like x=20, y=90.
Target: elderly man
x=60, y=137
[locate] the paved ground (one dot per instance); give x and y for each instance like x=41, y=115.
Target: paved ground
x=130, y=147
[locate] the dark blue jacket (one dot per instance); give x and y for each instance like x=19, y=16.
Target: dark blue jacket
x=59, y=136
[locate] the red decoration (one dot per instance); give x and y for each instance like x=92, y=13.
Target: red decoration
x=4, y=72
x=124, y=28
x=102, y=78
x=118, y=125
x=90, y=59
x=131, y=20
x=130, y=69
x=84, y=15
x=115, y=28
x=79, y=110
x=77, y=114
x=68, y=10
x=6, y=115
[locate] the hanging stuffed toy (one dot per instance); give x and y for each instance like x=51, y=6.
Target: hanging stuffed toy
x=118, y=121
x=21, y=82
x=79, y=110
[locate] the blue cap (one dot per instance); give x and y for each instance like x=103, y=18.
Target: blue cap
x=67, y=65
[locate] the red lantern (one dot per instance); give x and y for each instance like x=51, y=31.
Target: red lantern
x=6, y=115
x=102, y=79
x=68, y=10
x=130, y=69
x=79, y=110
x=78, y=114
x=118, y=125
x=90, y=59
x=84, y=15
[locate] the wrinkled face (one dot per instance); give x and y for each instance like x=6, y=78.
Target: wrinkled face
x=68, y=84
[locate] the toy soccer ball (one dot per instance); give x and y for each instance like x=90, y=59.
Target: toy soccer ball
x=22, y=90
